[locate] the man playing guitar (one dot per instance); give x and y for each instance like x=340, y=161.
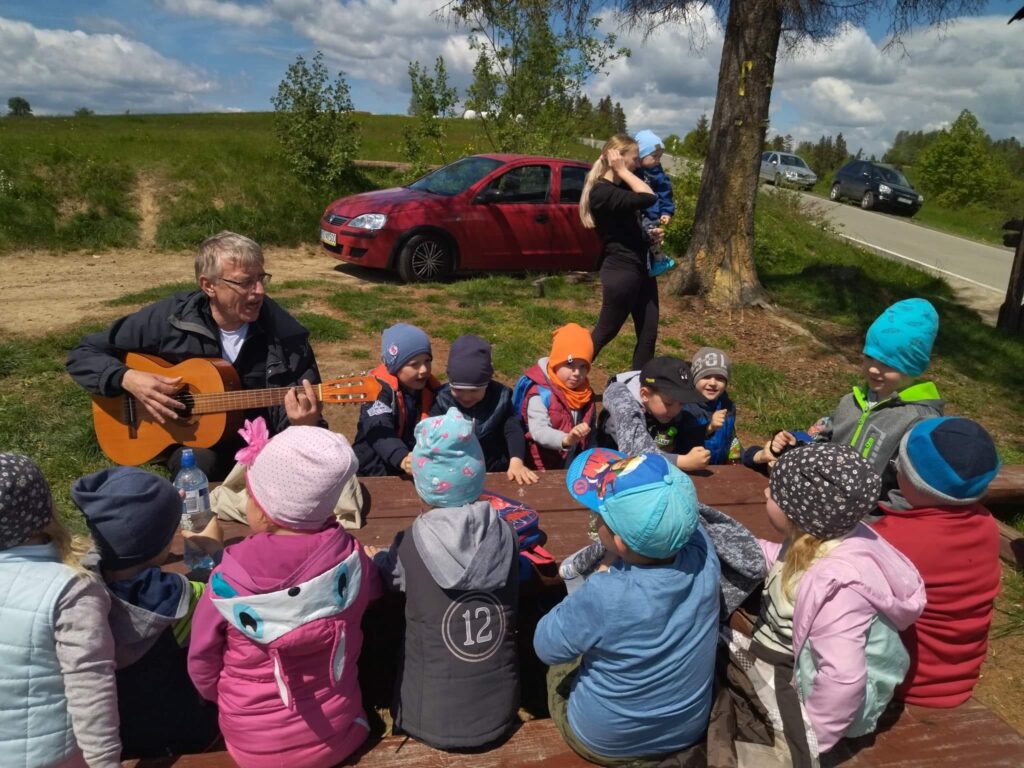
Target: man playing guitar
x=228, y=317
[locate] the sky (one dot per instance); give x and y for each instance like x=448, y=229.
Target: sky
x=229, y=55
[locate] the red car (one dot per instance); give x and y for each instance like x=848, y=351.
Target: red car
x=484, y=212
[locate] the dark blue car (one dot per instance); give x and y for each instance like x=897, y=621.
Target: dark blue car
x=876, y=185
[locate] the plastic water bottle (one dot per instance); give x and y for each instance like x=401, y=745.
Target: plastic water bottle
x=195, y=508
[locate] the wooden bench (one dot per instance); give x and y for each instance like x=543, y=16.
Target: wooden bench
x=908, y=737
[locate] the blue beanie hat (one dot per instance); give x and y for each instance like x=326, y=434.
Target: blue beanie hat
x=951, y=460
x=648, y=142
x=401, y=343
x=903, y=335
x=447, y=461
x=132, y=514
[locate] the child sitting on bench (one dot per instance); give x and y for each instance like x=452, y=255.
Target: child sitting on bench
x=458, y=680
x=555, y=400
x=472, y=389
x=632, y=651
x=943, y=470
x=276, y=637
x=384, y=434
x=825, y=655
x=58, y=696
x=133, y=516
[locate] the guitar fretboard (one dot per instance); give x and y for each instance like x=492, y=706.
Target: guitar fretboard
x=219, y=402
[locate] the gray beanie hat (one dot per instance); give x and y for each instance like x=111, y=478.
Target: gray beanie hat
x=825, y=489
x=26, y=506
x=709, y=361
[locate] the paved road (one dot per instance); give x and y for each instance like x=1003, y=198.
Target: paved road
x=979, y=273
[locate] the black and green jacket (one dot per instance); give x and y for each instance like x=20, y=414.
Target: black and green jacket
x=874, y=430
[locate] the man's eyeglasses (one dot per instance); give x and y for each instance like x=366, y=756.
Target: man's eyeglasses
x=248, y=286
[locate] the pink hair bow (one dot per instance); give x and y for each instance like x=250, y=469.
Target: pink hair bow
x=256, y=435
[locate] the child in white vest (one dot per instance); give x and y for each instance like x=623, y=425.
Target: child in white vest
x=61, y=710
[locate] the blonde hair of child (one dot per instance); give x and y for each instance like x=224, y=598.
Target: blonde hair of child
x=803, y=549
x=73, y=548
x=620, y=142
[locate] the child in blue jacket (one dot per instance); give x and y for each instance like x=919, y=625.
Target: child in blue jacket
x=710, y=369
x=660, y=214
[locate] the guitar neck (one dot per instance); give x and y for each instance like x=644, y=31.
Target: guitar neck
x=243, y=400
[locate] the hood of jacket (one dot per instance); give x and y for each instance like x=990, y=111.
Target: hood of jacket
x=285, y=613
x=142, y=608
x=866, y=564
x=922, y=393
x=465, y=548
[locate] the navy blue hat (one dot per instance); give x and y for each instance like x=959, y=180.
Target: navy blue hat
x=950, y=460
x=401, y=343
x=132, y=514
x=469, y=363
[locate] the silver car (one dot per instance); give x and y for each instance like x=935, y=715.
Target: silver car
x=785, y=168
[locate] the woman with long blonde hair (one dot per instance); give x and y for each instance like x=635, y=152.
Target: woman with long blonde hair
x=58, y=694
x=613, y=199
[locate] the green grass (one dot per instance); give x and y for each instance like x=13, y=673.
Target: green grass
x=69, y=183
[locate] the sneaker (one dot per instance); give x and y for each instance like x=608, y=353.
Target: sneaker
x=583, y=562
x=661, y=266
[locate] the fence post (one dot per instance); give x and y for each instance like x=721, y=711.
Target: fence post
x=1011, y=313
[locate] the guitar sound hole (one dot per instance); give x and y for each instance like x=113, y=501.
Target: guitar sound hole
x=184, y=397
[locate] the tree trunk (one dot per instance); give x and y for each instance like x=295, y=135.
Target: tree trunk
x=719, y=264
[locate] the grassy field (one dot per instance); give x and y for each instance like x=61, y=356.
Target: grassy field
x=69, y=183
x=829, y=287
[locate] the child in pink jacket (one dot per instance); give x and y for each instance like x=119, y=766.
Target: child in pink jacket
x=825, y=655
x=276, y=636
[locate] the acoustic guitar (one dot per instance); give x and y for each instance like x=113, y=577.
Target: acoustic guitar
x=214, y=400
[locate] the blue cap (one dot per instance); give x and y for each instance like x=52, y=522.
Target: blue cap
x=951, y=460
x=648, y=142
x=903, y=335
x=646, y=500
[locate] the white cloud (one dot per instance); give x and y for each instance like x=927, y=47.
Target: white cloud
x=375, y=41
x=232, y=13
x=848, y=84
x=59, y=70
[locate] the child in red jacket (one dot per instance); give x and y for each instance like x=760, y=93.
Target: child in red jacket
x=944, y=468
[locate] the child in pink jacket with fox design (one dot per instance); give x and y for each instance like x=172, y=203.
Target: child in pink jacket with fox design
x=825, y=654
x=276, y=636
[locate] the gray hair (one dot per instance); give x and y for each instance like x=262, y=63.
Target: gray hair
x=226, y=247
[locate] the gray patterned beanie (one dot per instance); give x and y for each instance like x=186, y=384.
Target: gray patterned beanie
x=25, y=502
x=825, y=489
x=709, y=361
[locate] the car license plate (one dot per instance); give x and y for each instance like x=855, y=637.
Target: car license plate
x=332, y=239
x=906, y=200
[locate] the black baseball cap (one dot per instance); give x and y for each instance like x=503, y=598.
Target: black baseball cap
x=670, y=376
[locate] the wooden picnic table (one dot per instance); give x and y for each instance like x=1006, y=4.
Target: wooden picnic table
x=908, y=736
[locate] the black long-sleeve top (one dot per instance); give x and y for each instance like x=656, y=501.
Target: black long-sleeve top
x=616, y=210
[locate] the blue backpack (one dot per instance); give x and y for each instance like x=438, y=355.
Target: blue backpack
x=522, y=387
x=526, y=524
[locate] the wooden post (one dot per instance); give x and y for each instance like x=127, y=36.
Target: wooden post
x=1011, y=313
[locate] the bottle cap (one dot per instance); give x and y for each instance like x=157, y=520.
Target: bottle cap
x=188, y=459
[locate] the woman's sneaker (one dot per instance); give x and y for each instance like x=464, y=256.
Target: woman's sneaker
x=583, y=562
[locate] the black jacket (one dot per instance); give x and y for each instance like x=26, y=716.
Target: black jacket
x=495, y=422
x=276, y=352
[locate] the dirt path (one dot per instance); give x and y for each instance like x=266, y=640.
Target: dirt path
x=42, y=292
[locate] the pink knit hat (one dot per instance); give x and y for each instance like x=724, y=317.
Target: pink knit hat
x=297, y=477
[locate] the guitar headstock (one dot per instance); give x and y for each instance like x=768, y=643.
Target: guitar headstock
x=350, y=389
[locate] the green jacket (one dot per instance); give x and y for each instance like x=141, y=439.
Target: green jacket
x=874, y=430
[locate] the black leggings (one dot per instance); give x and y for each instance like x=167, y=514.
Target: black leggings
x=624, y=293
